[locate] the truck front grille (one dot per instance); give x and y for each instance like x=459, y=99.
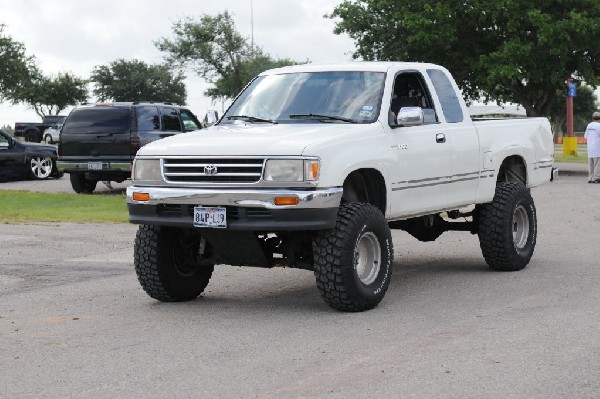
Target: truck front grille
x=213, y=170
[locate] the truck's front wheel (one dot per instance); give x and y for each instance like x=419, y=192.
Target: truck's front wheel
x=172, y=264
x=352, y=262
x=507, y=227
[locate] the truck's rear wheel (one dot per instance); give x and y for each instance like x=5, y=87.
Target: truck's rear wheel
x=353, y=261
x=507, y=227
x=171, y=264
x=81, y=185
x=32, y=136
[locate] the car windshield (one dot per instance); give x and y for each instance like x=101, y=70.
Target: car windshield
x=309, y=97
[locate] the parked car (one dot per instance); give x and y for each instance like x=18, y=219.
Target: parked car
x=33, y=131
x=99, y=141
x=26, y=160
x=51, y=134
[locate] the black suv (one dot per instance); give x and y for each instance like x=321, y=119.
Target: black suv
x=99, y=141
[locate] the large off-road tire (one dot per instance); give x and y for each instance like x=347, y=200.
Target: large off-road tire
x=40, y=167
x=81, y=185
x=507, y=227
x=171, y=264
x=353, y=261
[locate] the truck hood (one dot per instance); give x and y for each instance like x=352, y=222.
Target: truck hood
x=252, y=139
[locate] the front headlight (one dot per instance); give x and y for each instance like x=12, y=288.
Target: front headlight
x=146, y=169
x=291, y=170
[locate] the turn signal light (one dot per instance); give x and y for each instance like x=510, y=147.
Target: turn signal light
x=141, y=197
x=286, y=201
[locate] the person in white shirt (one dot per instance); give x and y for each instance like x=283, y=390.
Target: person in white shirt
x=592, y=135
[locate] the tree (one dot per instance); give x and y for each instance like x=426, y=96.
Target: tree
x=8, y=129
x=217, y=52
x=584, y=105
x=506, y=51
x=48, y=95
x=134, y=80
x=14, y=66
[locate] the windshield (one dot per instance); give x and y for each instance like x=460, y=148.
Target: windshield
x=317, y=97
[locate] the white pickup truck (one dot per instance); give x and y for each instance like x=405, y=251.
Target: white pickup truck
x=312, y=165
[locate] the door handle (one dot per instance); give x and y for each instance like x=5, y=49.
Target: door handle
x=440, y=138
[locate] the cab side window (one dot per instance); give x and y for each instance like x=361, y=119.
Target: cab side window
x=410, y=90
x=170, y=120
x=190, y=122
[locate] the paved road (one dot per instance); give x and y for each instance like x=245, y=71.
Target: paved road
x=75, y=323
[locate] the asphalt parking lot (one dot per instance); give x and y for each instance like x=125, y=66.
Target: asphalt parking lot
x=75, y=323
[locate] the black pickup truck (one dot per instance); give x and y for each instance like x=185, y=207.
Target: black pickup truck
x=33, y=131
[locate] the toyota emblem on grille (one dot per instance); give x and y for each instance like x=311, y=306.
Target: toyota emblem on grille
x=210, y=170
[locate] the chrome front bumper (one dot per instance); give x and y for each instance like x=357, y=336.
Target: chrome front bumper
x=250, y=198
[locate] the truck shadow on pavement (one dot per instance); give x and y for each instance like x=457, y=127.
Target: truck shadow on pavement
x=279, y=295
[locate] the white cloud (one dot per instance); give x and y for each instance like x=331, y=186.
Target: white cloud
x=76, y=35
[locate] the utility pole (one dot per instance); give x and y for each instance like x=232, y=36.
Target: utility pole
x=569, y=141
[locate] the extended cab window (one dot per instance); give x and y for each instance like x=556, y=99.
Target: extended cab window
x=147, y=119
x=170, y=120
x=447, y=95
x=190, y=123
x=98, y=120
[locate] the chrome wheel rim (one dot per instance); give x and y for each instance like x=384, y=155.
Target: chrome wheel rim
x=41, y=167
x=367, y=258
x=520, y=227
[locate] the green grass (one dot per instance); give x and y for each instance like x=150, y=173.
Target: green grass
x=26, y=206
x=580, y=158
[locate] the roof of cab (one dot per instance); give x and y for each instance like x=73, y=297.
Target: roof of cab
x=366, y=66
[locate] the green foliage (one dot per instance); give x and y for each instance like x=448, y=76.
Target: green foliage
x=584, y=105
x=26, y=206
x=14, y=66
x=217, y=52
x=504, y=51
x=134, y=80
x=49, y=95
x=8, y=129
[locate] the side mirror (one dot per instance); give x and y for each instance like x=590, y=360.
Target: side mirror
x=211, y=117
x=410, y=116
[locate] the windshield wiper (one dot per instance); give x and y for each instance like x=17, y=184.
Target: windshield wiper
x=322, y=117
x=249, y=118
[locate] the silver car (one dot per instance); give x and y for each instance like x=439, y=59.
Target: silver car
x=51, y=134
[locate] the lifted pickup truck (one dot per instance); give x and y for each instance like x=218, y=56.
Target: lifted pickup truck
x=33, y=131
x=311, y=167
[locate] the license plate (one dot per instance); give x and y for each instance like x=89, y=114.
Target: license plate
x=213, y=217
x=95, y=165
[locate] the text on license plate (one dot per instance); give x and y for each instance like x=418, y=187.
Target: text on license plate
x=210, y=217
x=95, y=165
